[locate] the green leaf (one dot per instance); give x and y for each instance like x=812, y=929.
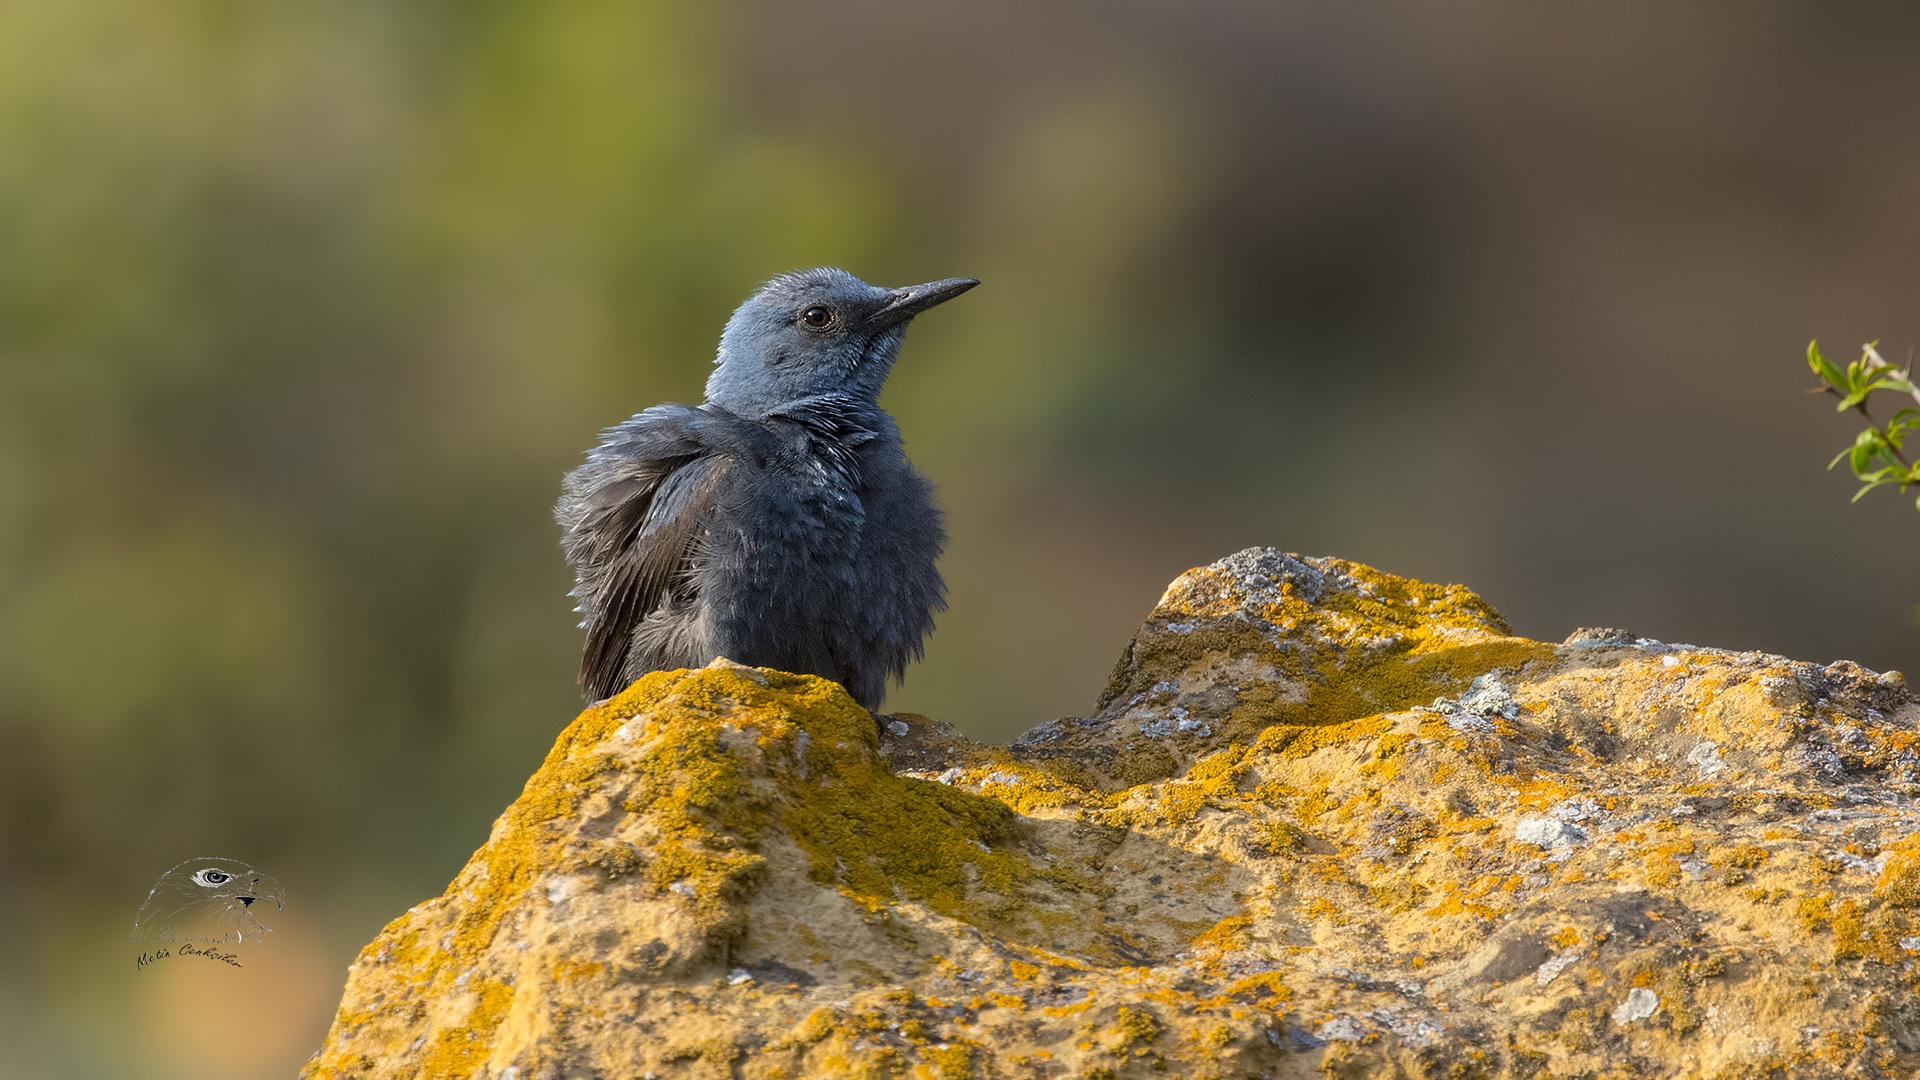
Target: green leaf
x=1866, y=446
x=1874, y=480
x=1823, y=367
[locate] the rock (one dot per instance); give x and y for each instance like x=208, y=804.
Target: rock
x=1323, y=820
x=1548, y=832
x=1263, y=638
x=1640, y=1004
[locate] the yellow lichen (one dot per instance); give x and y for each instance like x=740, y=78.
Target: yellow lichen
x=952, y=1061
x=457, y=1051
x=1814, y=911
x=1898, y=884
x=1281, y=837
x=1225, y=934
x=1663, y=863
x=1132, y=1029
x=575, y=970
x=1849, y=931
x=1266, y=984
x=1291, y=741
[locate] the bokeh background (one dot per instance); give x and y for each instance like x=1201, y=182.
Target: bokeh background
x=304, y=309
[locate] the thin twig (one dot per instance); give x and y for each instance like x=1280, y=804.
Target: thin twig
x=1861, y=406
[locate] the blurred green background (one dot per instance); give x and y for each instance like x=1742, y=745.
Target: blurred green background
x=304, y=309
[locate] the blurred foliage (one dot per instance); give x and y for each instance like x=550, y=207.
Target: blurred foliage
x=303, y=310
x=1876, y=456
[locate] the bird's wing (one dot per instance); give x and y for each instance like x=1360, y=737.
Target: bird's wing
x=649, y=552
x=634, y=517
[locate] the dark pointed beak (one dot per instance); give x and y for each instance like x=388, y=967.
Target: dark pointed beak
x=914, y=299
x=266, y=888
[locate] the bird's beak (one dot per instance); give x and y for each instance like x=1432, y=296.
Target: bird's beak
x=914, y=299
x=269, y=889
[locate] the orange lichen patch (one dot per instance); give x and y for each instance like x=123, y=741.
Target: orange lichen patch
x=1742, y=857
x=1545, y=792
x=1466, y=825
x=456, y=1052
x=1265, y=985
x=1319, y=907
x=1898, y=884
x=1330, y=871
x=1814, y=912
x=1281, y=837
x=1225, y=934
x=1131, y=1030
x=882, y=837
x=1212, y=781
x=1026, y=788
x=1298, y=741
x=1849, y=931
x=954, y=1061
x=1456, y=902
x=818, y=1025
x=1487, y=884
x=572, y=970
x=1663, y=863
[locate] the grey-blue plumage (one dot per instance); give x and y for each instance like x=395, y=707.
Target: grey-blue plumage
x=779, y=524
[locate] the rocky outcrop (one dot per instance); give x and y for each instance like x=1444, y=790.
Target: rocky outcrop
x=1323, y=820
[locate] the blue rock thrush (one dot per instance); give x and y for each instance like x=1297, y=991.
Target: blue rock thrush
x=779, y=524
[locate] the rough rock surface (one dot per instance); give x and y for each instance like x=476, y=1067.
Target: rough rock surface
x=1324, y=820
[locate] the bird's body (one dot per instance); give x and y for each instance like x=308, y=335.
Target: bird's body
x=779, y=524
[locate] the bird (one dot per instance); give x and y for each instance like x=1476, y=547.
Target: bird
x=779, y=523
x=206, y=900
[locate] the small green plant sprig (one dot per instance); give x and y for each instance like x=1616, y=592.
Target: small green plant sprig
x=1876, y=454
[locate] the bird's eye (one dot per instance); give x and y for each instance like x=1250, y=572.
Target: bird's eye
x=211, y=876
x=817, y=317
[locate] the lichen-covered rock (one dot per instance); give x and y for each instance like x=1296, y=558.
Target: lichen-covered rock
x=1263, y=638
x=1323, y=821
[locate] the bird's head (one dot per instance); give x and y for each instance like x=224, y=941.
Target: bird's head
x=814, y=332
x=207, y=899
